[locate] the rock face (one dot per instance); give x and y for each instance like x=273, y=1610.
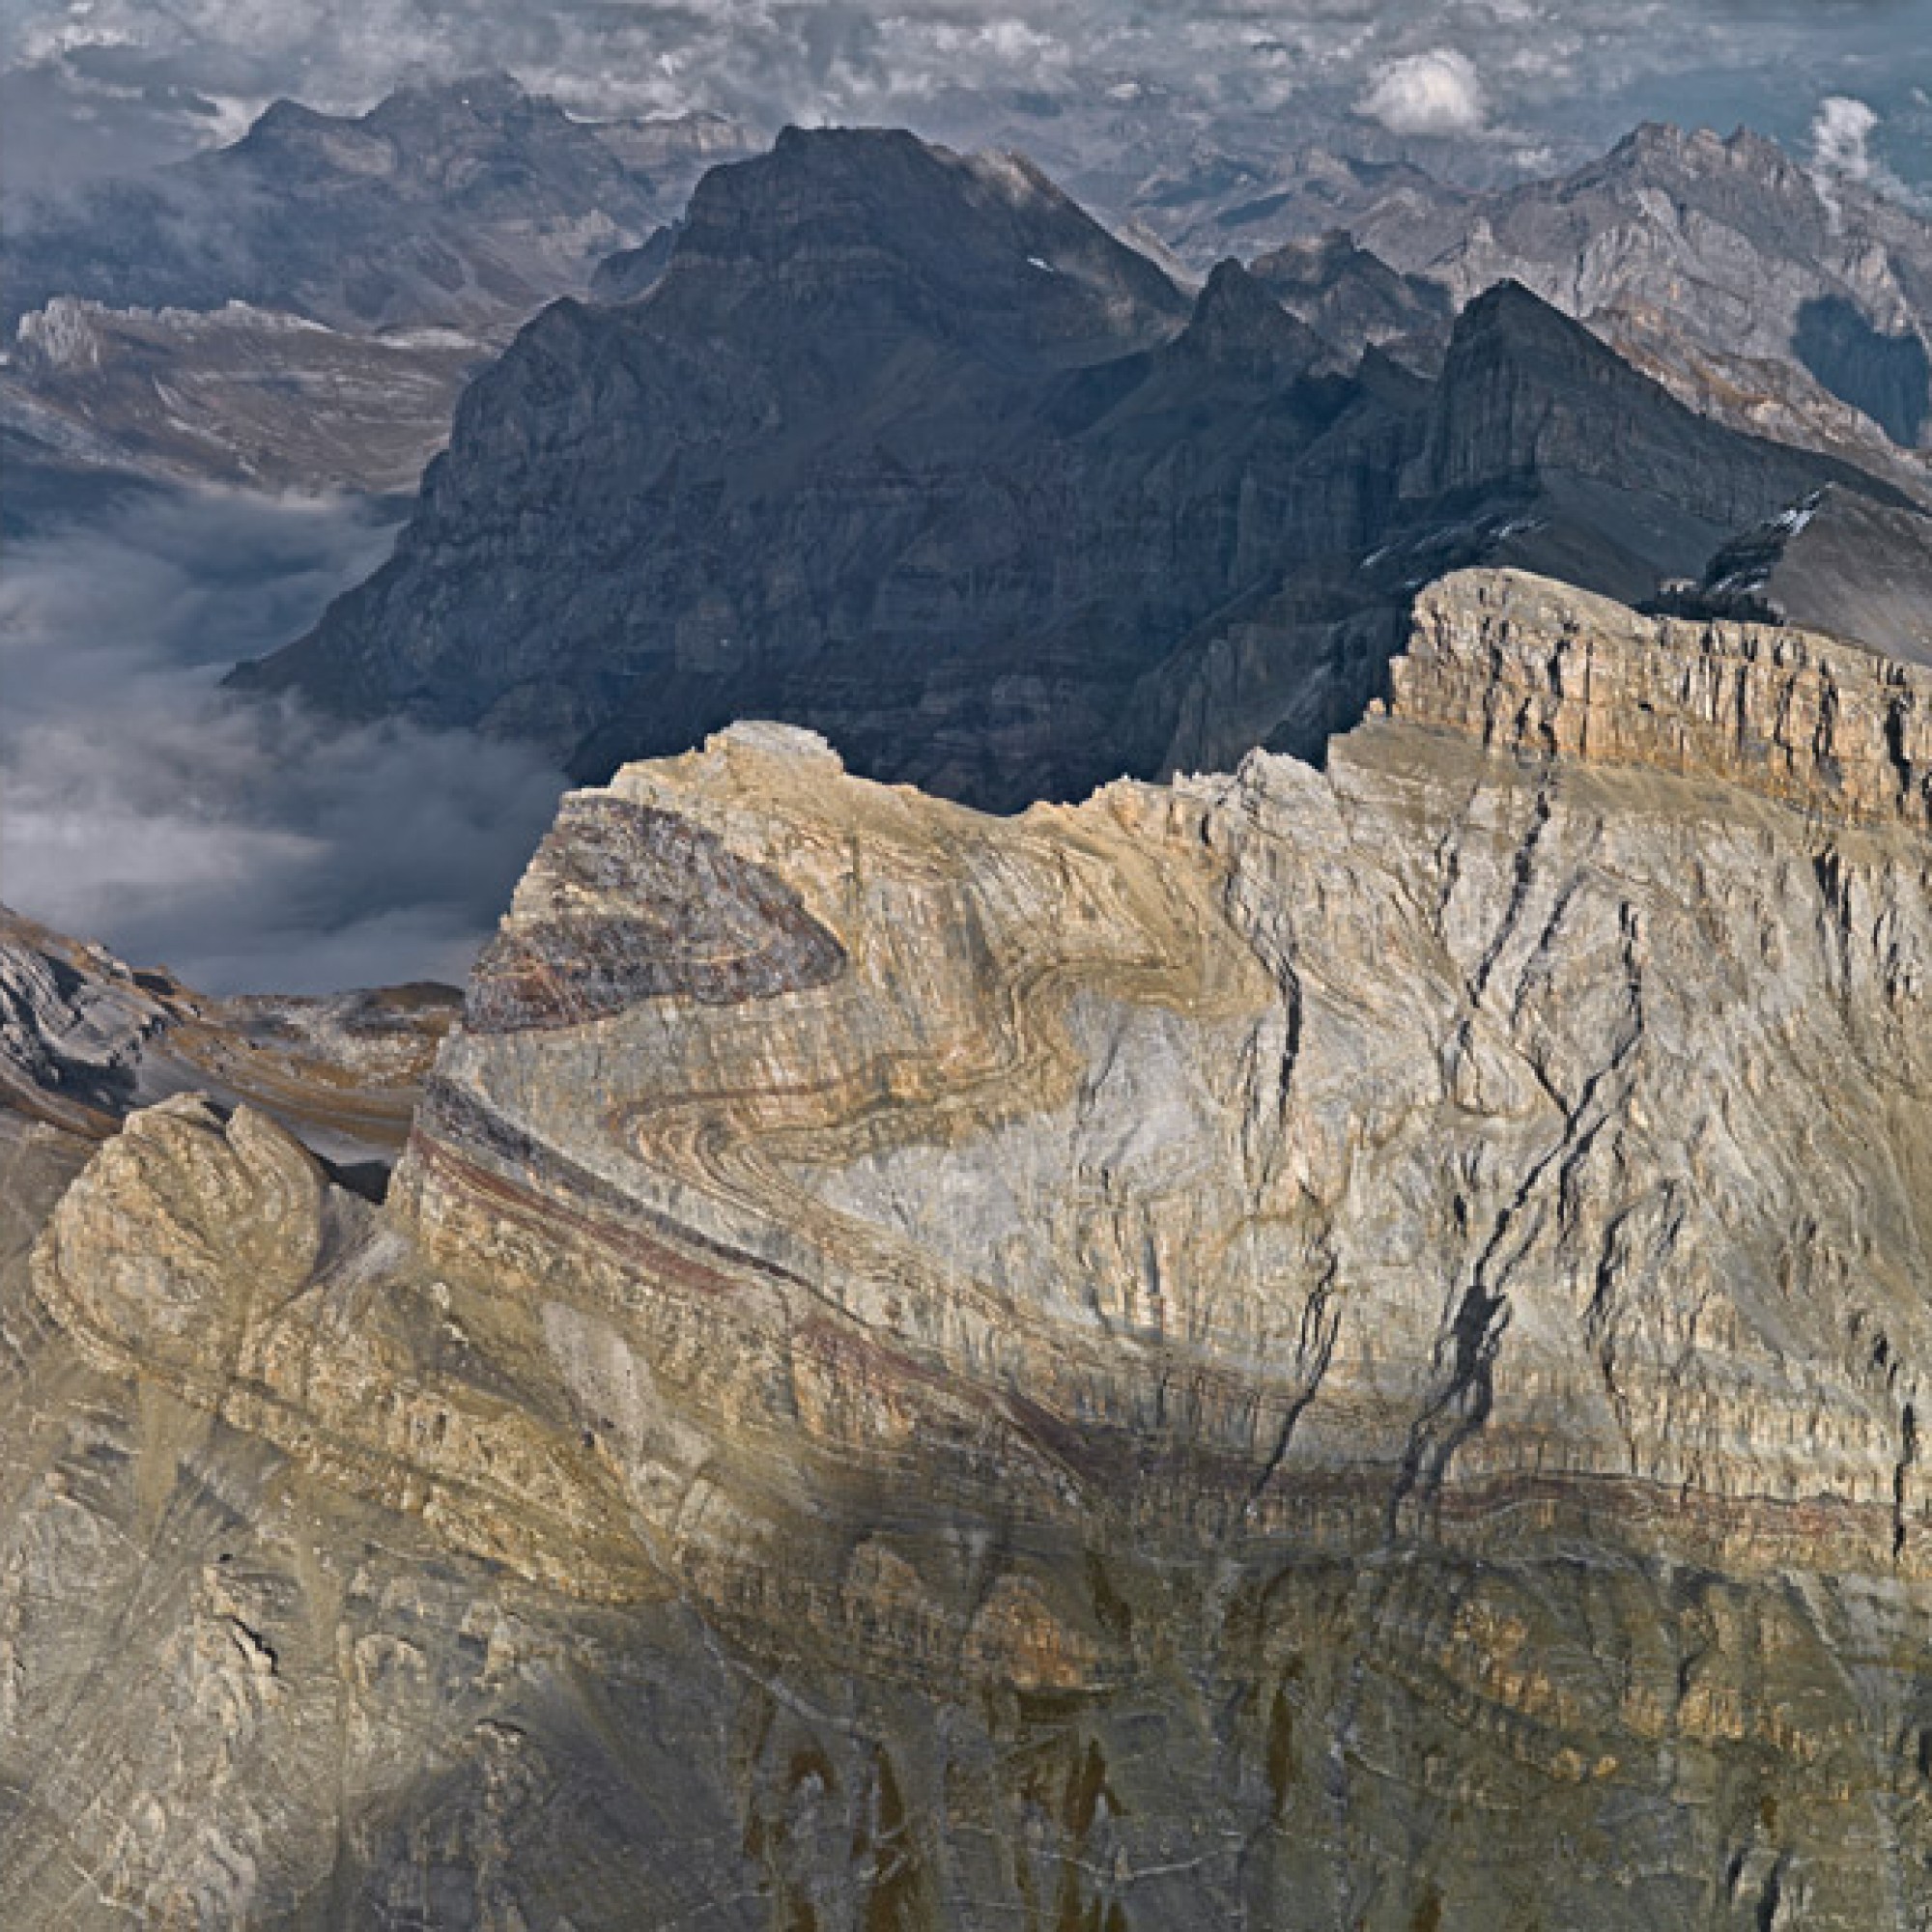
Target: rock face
x=1003, y=518
x=1300, y=1349
x=1781, y=303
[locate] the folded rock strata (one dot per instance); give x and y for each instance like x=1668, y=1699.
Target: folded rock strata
x=1297, y=1349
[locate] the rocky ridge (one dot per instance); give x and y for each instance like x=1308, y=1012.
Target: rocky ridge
x=1777, y=301
x=1294, y=1349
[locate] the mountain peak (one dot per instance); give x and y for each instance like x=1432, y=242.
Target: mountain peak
x=986, y=248
x=1701, y=151
x=1236, y=318
x=1507, y=313
x=490, y=96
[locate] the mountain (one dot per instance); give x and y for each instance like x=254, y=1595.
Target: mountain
x=1762, y=293
x=1355, y=299
x=454, y=206
x=1836, y=561
x=1212, y=204
x=903, y=448
x=299, y=309
x=244, y=395
x=1303, y=1348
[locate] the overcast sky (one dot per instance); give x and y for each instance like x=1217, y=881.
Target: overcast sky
x=93, y=84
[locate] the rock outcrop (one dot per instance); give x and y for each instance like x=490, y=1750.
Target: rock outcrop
x=1295, y=1349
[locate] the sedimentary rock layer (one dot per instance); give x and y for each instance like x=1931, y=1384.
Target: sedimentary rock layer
x=1295, y=1350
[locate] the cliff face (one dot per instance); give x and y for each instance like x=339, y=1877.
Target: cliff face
x=1295, y=1349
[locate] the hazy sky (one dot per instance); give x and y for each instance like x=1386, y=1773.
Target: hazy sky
x=92, y=84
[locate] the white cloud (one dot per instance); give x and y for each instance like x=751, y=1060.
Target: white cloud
x=248, y=846
x=1434, y=93
x=1841, y=137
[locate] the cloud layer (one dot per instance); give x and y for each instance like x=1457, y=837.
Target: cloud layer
x=247, y=847
x=1561, y=71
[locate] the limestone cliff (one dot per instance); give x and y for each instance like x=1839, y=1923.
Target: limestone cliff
x=1297, y=1349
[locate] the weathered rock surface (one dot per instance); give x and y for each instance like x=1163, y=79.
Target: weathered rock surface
x=1298, y=1350
x=1781, y=303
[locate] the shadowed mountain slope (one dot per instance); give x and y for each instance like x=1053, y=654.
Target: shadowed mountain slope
x=902, y=446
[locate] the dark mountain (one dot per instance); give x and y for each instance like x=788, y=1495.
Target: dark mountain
x=905, y=448
x=1353, y=298
x=1537, y=448
x=634, y=271
x=1833, y=561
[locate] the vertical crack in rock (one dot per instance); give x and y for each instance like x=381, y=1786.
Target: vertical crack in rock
x=1465, y=1350
x=1468, y=1350
x=1908, y=1456
x=1314, y=1350
x=1522, y=877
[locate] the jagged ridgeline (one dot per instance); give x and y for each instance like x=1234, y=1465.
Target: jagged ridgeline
x=903, y=448
x=1305, y=1347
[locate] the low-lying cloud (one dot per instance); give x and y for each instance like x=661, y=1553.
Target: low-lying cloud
x=247, y=846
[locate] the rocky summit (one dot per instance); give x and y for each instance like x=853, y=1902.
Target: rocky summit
x=1297, y=1349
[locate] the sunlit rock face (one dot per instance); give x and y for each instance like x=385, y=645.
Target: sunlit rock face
x=1297, y=1348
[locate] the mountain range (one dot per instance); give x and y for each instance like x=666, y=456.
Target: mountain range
x=1191, y=1190
x=905, y=448
x=300, y=308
